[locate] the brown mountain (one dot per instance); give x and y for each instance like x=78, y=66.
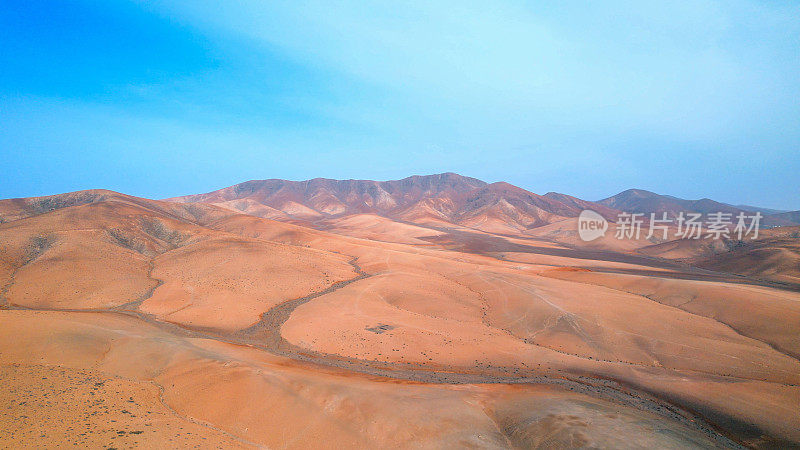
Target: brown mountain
x=442, y=199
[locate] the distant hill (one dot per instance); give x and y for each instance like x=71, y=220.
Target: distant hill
x=642, y=201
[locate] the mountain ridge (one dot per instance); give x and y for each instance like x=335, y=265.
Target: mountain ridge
x=444, y=199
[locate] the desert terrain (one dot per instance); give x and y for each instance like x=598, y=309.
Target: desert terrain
x=433, y=312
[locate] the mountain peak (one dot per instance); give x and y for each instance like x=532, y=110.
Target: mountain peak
x=446, y=177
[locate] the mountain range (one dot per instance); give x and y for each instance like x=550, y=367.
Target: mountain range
x=444, y=200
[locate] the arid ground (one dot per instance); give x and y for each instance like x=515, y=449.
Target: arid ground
x=227, y=322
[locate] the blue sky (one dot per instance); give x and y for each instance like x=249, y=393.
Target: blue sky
x=162, y=98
